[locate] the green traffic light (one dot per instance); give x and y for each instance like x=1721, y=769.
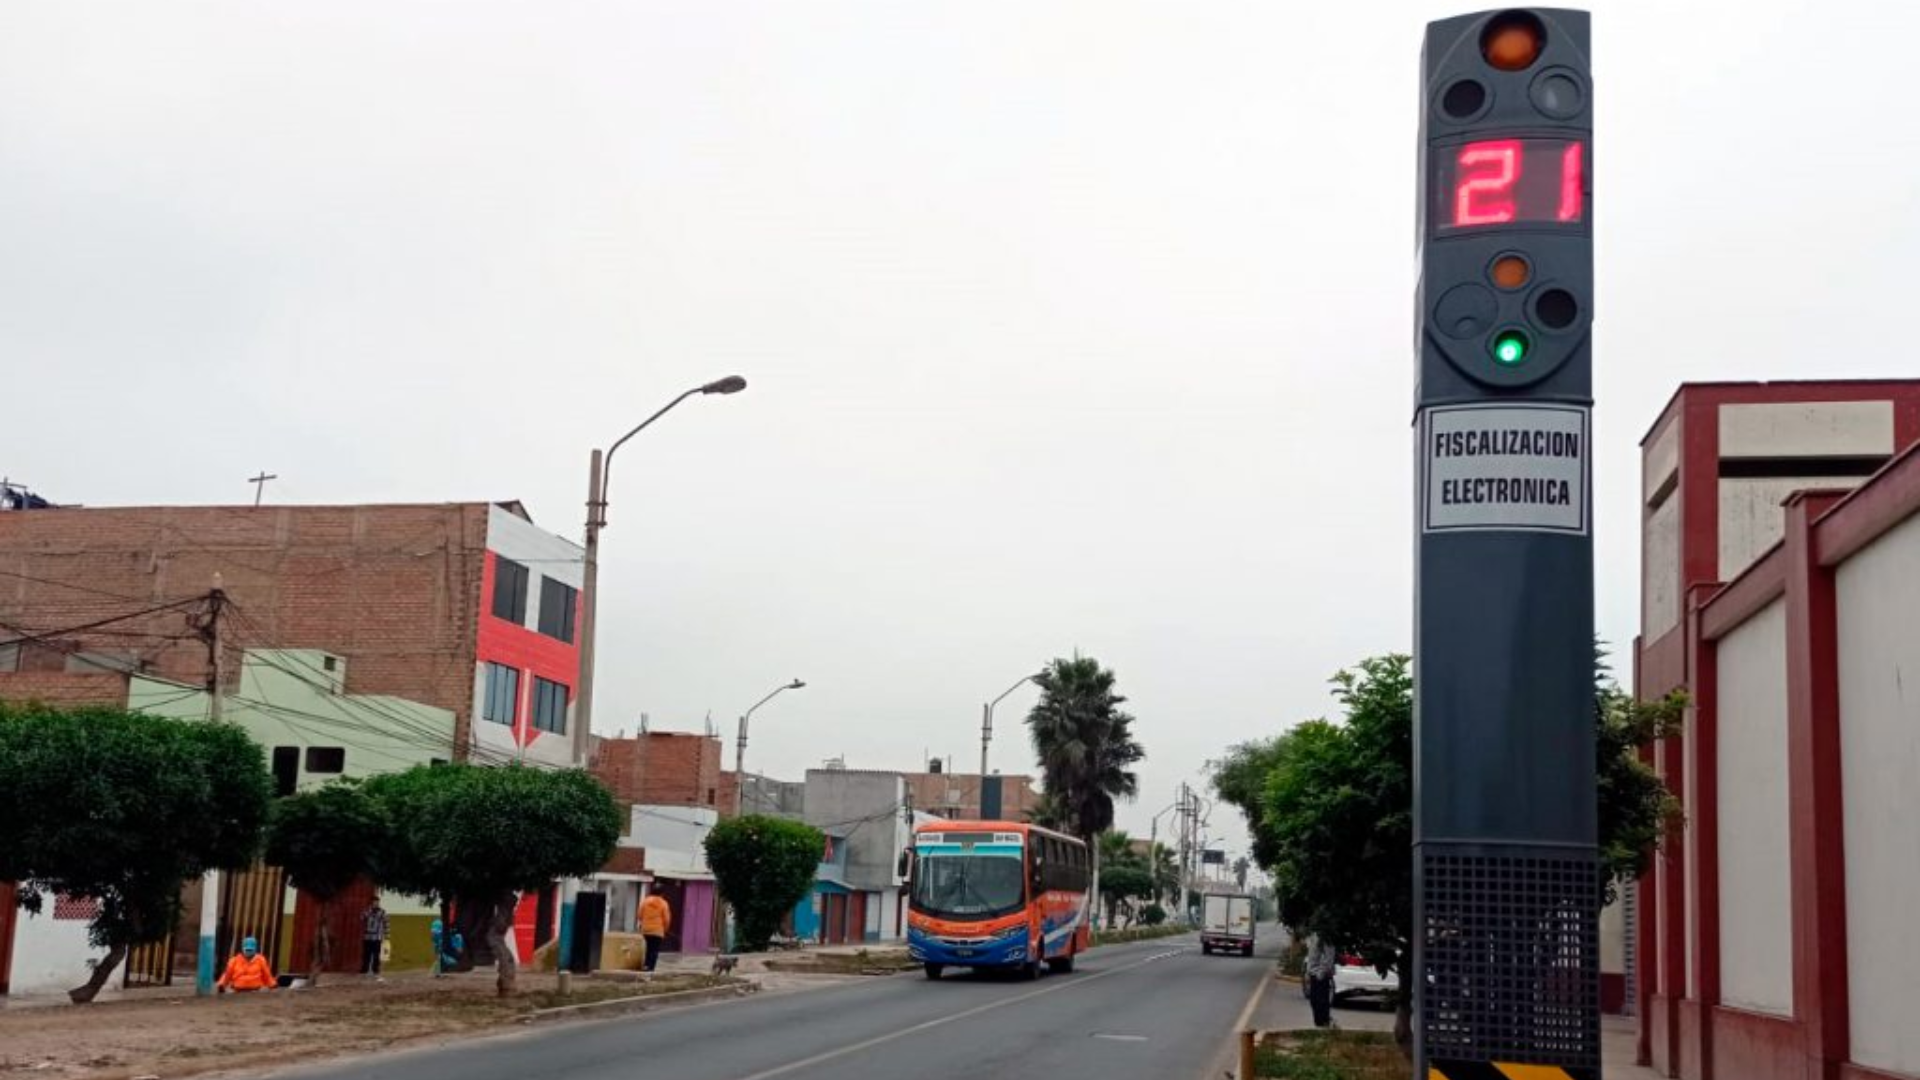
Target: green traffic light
x=1510, y=348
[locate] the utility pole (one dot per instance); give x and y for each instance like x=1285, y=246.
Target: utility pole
x=1185, y=815
x=210, y=881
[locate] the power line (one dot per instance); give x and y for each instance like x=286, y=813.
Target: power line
x=75, y=588
x=318, y=676
x=29, y=638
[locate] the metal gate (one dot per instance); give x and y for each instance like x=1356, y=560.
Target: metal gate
x=149, y=965
x=252, y=904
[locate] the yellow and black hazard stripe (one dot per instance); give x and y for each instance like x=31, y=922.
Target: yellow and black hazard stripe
x=1506, y=1070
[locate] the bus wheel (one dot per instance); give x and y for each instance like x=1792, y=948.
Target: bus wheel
x=934, y=970
x=1061, y=965
x=1033, y=969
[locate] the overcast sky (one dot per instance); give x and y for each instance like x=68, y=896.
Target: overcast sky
x=1069, y=326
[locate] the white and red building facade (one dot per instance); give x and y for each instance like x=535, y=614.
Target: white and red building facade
x=527, y=644
x=1781, y=590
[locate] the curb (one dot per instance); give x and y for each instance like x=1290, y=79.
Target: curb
x=641, y=1002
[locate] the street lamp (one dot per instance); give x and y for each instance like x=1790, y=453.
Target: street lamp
x=986, y=730
x=598, y=473
x=598, y=476
x=740, y=749
x=1153, y=845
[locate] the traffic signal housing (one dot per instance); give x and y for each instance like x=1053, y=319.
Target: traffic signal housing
x=1506, y=207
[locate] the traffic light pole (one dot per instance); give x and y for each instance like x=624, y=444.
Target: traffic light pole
x=1507, y=879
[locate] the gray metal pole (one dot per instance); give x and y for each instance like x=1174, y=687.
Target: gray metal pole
x=986, y=737
x=740, y=769
x=740, y=747
x=589, y=612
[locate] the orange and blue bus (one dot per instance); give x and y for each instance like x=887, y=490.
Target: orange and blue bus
x=997, y=894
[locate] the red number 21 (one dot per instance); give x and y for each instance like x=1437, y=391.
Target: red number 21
x=1484, y=195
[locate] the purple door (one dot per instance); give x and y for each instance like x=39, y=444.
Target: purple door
x=696, y=921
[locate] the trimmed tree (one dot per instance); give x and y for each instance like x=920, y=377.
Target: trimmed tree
x=123, y=808
x=765, y=865
x=479, y=836
x=326, y=840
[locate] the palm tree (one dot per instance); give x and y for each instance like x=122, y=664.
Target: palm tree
x=1166, y=875
x=1047, y=813
x=1085, y=745
x=1116, y=847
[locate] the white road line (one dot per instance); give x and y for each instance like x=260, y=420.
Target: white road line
x=1253, y=1003
x=866, y=1044
x=1229, y=1054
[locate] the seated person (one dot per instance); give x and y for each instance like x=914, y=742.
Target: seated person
x=247, y=970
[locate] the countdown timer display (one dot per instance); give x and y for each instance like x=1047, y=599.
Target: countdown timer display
x=1509, y=182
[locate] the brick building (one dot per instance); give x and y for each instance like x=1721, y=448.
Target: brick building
x=960, y=795
x=467, y=607
x=661, y=768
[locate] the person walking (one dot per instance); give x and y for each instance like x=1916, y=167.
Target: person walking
x=656, y=918
x=1321, y=960
x=373, y=938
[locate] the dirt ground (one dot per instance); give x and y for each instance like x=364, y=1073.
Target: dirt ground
x=178, y=1034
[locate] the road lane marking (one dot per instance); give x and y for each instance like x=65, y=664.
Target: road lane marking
x=1119, y=1038
x=1253, y=1003
x=880, y=1040
x=1227, y=1054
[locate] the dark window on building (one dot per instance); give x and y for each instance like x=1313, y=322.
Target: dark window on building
x=549, y=705
x=556, y=609
x=709, y=796
x=509, y=591
x=286, y=770
x=326, y=759
x=329, y=662
x=501, y=702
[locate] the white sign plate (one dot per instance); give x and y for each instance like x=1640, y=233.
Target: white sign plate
x=1516, y=468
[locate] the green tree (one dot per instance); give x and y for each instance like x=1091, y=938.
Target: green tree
x=1124, y=874
x=1086, y=746
x=123, y=808
x=765, y=865
x=1337, y=810
x=326, y=840
x=1121, y=884
x=479, y=836
x=1240, y=779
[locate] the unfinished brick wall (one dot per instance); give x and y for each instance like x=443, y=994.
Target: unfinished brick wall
x=392, y=589
x=667, y=768
x=64, y=689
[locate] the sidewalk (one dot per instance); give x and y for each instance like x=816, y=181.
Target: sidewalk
x=170, y=1032
x=1285, y=1008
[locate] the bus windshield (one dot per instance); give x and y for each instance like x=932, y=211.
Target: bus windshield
x=956, y=885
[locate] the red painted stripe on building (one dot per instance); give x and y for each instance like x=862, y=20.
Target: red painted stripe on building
x=1817, y=847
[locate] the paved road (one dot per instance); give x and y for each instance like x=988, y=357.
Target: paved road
x=1155, y=1010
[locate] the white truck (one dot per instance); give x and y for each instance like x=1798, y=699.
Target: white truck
x=1226, y=923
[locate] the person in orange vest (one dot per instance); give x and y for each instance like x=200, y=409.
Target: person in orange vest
x=247, y=970
x=656, y=918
